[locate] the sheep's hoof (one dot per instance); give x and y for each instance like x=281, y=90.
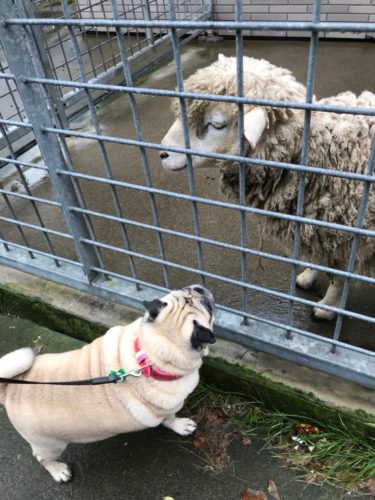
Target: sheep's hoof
x=321, y=315
x=304, y=282
x=302, y=286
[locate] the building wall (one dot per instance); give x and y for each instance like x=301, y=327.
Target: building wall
x=253, y=10
x=362, y=11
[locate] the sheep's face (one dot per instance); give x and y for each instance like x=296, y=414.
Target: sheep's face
x=214, y=132
x=213, y=126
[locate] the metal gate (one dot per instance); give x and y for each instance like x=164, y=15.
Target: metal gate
x=43, y=94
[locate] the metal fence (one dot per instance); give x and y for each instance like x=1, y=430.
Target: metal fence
x=49, y=73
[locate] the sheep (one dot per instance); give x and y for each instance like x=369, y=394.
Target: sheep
x=337, y=141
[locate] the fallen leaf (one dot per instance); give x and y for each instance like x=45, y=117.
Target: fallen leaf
x=214, y=419
x=313, y=478
x=219, y=412
x=253, y=495
x=298, y=460
x=367, y=485
x=246, y=440
x=200, y=442
x=272, y=490
x=307, y=429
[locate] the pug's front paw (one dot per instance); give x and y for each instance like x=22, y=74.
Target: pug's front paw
x=59, y=471
x=182, y=426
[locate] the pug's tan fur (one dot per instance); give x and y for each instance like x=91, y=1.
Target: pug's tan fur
x=50, y=417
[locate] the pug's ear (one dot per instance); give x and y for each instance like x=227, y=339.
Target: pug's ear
x=153, y=307
x=201, y=335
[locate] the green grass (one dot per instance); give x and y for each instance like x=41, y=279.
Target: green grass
x=337, y=454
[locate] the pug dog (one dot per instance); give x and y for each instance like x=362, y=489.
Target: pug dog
x=165, y=347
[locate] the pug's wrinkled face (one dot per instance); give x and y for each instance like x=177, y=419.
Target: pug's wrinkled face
x=187, y=313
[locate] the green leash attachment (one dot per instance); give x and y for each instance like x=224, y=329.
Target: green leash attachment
x=120, y=374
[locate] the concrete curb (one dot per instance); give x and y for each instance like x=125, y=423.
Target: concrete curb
x=279, y=384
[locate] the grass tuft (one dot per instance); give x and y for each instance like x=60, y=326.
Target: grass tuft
x=325, y=452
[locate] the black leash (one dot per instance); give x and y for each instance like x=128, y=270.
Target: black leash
x=112, y=378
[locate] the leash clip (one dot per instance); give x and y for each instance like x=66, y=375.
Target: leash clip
x=119, y=374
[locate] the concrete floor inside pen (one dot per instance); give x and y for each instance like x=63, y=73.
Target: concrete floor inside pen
x=345, y=65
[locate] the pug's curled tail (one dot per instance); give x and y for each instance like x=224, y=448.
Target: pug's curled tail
x=15, y=363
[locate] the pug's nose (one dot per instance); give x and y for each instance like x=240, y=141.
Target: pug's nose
x=164, y=155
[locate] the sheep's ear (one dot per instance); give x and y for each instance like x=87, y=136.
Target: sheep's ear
x=255, y=121
x=221, y=57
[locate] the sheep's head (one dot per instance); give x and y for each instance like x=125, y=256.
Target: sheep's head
x=212, y=125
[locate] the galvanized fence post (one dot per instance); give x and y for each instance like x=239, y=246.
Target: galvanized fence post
x=147, y=16
x=27, y=8
x=20, y=51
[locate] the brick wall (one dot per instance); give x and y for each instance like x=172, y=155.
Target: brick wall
x=298, y=10
x=253, y=10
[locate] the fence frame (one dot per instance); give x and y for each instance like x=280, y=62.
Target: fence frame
x=89, y=274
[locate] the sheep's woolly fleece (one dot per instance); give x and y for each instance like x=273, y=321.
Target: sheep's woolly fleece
x=337, y=141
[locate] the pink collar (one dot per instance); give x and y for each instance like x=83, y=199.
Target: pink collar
x=149, y=370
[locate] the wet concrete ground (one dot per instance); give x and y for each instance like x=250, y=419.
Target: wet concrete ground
x=147, y=465
x=340, y=66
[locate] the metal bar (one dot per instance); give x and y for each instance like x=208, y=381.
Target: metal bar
x=356, y=240
x=201, y=25
x=227, y=246
x=103, y=151
x=4, y=242
x=31, y=198
x=73, y=101
x=232, y=206
x=12, y=161
x=40, y=252
x=139, y=136
x=180, y=86
x=203, y=97
x=217, y=156
x=17, y=46
x=232, y=281
x=241, y=152
x=301, y=333
x=27, y=189
x=14, y=215
x=304, y=156
x=15, y=123
x=26, y=7
x=12, y=93
x=147, y=15
x=40, y=229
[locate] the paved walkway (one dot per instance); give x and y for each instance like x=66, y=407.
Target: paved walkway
x=148, y=465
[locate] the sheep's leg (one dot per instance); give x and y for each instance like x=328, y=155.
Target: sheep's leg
x=331, y=298
x=307, y=278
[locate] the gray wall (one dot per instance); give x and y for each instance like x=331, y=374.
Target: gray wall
x=299, y=10
x=253, y=10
